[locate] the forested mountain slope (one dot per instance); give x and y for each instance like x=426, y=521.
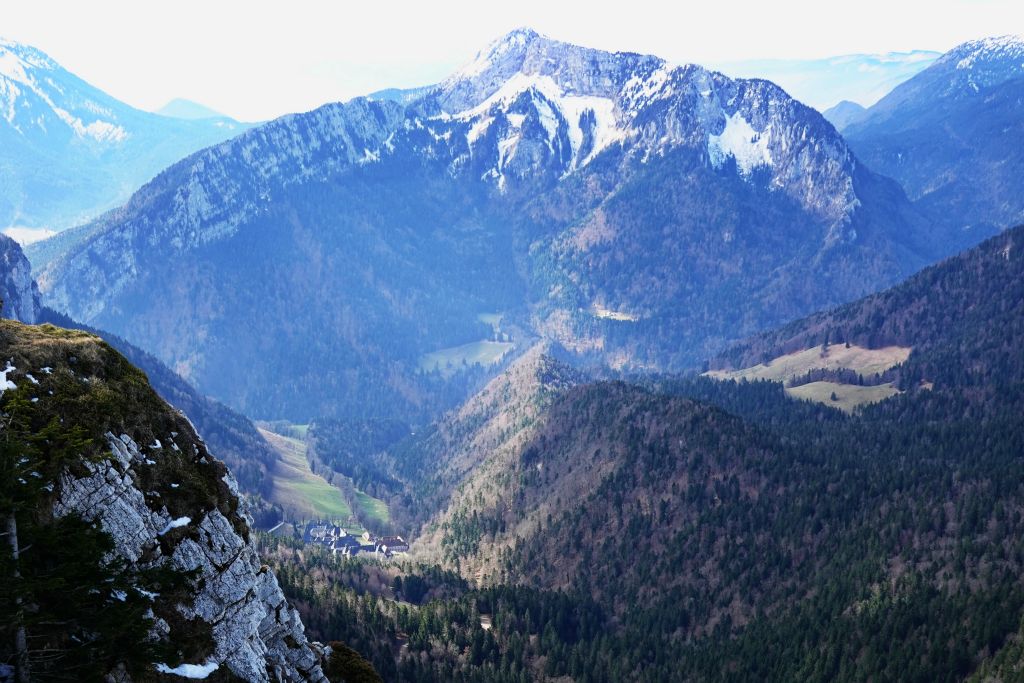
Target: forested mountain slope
x=697, y=528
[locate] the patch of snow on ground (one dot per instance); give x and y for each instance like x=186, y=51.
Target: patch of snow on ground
x=507, y=149
x=478, y=128
x=643, y=90
x=605, y=132
x=1009, y=46
x=101, y=131
x=741, y=142
x=12, y=67
x=174, y=524
x=193, y=671
x=5, y=383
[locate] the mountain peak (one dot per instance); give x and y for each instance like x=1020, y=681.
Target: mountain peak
x=75, y=151
x=511, y=46
x=521, y=36
x=524, y=58
x=844, y=113
x=992, y=49
x=16, y=59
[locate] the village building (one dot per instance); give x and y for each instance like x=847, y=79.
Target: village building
x=337, y=539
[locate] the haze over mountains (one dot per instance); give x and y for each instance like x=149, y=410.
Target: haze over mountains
x=822, y=83
x=642, y=215
x=952, y=136
x=180, y=108
x=71, y=151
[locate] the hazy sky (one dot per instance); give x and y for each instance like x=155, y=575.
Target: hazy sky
x=255, y=60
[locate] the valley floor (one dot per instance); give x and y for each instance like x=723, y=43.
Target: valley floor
x=301, y=493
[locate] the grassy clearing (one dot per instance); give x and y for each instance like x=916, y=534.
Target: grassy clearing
x=862, y=360
x=849, y=396
x=370, y=509
x=857, y=358
x=451, y=359
x=296, y=489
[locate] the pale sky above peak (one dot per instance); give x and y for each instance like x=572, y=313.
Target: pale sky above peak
x=256, y=60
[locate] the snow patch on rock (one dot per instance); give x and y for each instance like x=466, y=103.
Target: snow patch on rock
x=740, y=141
x=552, y=104
x=194, y=671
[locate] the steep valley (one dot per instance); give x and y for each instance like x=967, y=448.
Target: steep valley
x=578, y=365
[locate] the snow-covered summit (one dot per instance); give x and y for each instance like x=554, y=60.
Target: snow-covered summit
x=527, y=112
x=573, y=69
x=975, y=65
x=17, y=59
x=1008, y=48
x=528, y=107
x=509, y=46
x=38, y=98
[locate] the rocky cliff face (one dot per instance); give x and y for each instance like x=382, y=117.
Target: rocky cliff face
x=149, y=481
x=17, y=288
x=256, y=634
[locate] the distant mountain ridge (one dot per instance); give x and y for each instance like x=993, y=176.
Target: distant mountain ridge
x=69, y=151
x=821, y=83
x=843, y=114
x=520, y=184
x=180, y=108
x=953, y=135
